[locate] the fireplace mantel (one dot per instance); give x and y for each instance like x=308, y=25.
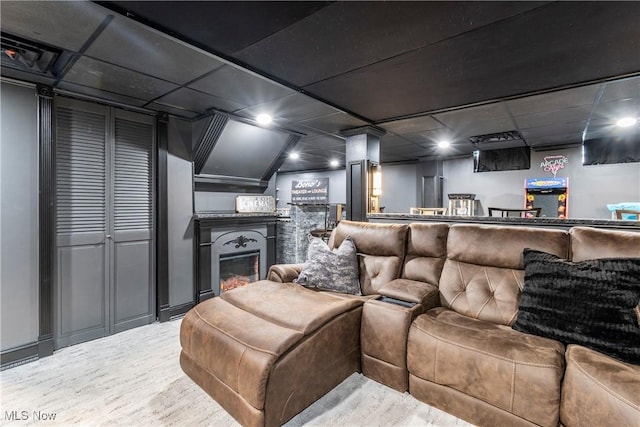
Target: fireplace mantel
x=208, y=224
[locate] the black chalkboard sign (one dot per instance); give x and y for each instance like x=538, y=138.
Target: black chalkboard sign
x=310, y=191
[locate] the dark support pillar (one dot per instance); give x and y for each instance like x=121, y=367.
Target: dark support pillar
x=362, y=153
x=162, y=233
x=430, y=188
x=46, y=220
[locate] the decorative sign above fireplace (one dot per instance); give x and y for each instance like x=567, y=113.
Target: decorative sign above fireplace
x=255, y=204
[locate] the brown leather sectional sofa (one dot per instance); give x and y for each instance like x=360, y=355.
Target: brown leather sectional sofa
x=434, y=319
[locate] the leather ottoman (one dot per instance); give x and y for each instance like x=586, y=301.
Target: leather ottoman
x=268, y=350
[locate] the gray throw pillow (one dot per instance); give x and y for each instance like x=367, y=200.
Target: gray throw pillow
x=335, y=270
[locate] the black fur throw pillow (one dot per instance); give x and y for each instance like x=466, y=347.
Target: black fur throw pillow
x=591, y=303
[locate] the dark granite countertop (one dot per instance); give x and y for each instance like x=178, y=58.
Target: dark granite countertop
x=539, y=221
x=231, y=214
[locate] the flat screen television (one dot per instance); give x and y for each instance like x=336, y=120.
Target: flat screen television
x=232, y=152
x=612, y=149
x=505, y=159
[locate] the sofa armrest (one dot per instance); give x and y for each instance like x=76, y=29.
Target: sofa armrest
x=284, y=273
x=412, y=291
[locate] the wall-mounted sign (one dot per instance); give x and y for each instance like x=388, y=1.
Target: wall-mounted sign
x=311, y=191
x=255, y=204
x=544, y=183
x=553, y=164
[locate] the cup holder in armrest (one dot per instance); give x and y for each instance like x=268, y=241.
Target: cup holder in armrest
x=397, y=301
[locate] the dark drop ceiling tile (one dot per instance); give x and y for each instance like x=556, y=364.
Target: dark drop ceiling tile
x=291, y=108
x=556, y=140
x=65, y=24
x=25, y=76
x=192, y=100
x=548, y=118
x=325, y=142
x=240, y=86
x=469, y=129
x=550, y=47
x=412, y=125
x=173, y=111
x=131, y=45
x=324, y=154
x=406, y=150
x=601, y=128
x=309, y=163
x=499, y=145
x=355, y=34
x=553, y=101
x=228, y=25
x=621, y=89
x=392, y=140
x=428, y=136
x=535, y=135
x=333, y=123
x=614, y=110
x=101, y=94
x=479, y=113
x=390, y=157
x=111, y=78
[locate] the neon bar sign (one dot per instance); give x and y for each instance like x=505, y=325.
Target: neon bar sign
x=553, y=164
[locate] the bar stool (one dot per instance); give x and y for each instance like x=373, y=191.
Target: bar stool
x=625, y=213
x=428, y=211
x=522, y=213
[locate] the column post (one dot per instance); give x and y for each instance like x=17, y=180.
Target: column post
x=46, y=219
x=362, y=154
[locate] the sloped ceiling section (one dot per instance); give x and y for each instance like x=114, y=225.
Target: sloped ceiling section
x=555, y=72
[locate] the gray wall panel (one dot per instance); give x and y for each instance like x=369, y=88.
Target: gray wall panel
x=215, y=201
x=399, y=188
x=18, y=216
x=180, y=231
x=180, y=210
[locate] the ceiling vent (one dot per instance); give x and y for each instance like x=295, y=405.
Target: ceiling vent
x=29, y=56
x=512, y=135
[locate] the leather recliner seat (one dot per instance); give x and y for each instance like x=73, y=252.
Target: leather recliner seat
x=268, y=350
x=464, y=357
x=597, y=389
x=385, y=325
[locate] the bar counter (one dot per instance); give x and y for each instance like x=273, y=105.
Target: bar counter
x=531, y=222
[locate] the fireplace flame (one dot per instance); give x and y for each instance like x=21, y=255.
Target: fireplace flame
x=234, y=282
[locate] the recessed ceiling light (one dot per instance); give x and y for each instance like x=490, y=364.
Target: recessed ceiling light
x=334, y=163
x=626, y=122
x=263, y=119
x=444, y=143
x=294, y=155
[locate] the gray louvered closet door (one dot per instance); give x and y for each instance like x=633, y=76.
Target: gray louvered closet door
x=132, y=235
x=104, y=221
